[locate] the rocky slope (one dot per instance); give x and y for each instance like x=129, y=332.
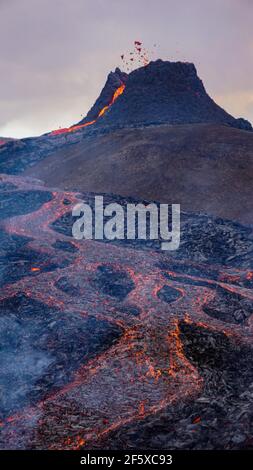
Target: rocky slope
x=204, y=167
x=162, y=137
x=164, y=92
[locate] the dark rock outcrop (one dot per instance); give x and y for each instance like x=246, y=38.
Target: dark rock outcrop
x=114, y=81
x=160, y=93
x=165, y=92
x=243, y=124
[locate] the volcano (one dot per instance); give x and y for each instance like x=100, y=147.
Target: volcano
x=153, y=134
x=163, y=92
x=118, y=344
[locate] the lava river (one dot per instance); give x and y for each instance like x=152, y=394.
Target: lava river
x=101, y=340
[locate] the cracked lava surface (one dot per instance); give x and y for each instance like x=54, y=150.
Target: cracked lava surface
x=119, y=345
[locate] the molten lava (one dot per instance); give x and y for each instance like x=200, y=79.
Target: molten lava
x=151, y=359
x=77, y=127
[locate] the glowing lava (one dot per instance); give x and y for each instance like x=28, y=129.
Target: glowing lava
x=116, y=94
x=147, y=369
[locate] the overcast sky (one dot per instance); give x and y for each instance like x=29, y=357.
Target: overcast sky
x=56, y=54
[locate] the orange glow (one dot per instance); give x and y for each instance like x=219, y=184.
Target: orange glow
x=177, y=357
x=142, y=409
x=116, y=94
x=35, y=269
x=197, y=420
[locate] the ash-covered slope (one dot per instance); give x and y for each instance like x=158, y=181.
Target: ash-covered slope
x=161, y=92
x=204, y=167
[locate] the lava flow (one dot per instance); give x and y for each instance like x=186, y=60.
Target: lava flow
x=105, y=340
x=138, y=57
x=77, y=127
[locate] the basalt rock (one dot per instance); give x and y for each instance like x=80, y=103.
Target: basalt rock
x=164, y=92
x=114, y=80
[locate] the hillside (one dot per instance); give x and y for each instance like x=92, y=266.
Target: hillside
x=203, y=167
